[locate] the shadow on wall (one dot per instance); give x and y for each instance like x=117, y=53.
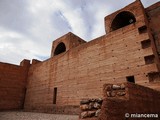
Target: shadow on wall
x=60, y=48
x=123, y=19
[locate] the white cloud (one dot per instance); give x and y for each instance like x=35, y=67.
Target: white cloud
x=27, y=28
x=13, y=49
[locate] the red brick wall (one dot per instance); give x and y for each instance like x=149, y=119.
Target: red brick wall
x=70, y=40
x=135, y=8
x=138, y=99
x=13, y=85
x=82, y=71
x=38, y=86
x=153, y=13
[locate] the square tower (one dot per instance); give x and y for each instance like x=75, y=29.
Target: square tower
x=65, y=43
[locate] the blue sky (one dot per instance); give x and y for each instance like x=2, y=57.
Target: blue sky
x=28, y=27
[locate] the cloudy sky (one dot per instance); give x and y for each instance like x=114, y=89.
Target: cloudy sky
x=28, y=27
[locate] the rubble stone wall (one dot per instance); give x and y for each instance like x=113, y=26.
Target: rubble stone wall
x=90, y=108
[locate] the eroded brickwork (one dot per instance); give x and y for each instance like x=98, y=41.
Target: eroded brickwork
x=136, y=100
x=153, y=13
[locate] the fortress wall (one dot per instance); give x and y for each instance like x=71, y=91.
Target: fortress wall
x=63, y=80
x=38, y=85
x=82, y=71
x=12, y=85
x=109, y=59
x=58, y=84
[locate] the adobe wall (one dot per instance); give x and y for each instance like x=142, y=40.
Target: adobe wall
x=137, y=99
x=13, y=80
x=82, y=71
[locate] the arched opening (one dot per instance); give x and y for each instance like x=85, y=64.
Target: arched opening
x=123, y=19
x=60, y=48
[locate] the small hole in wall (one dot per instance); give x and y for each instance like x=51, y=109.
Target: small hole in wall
x=130, y=79
x=149, y=59
x=142, y=29
x=154, y=76
x=146, y=43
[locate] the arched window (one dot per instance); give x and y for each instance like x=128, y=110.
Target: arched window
x=60, y=48
x=123, y=19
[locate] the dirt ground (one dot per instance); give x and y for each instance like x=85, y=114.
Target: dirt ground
x=35, y=116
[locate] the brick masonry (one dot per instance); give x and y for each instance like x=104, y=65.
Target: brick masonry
x=79, y=72
x=13, y=81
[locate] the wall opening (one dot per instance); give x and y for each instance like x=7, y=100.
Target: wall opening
x=154, y=76
x=55, y=95
x=60, y=48
x=146, y=43
x=149, y=59
x=130, y=79
x=142, y=29
x=123, y=19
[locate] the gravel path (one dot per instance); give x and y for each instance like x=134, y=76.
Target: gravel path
x=35, y=116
